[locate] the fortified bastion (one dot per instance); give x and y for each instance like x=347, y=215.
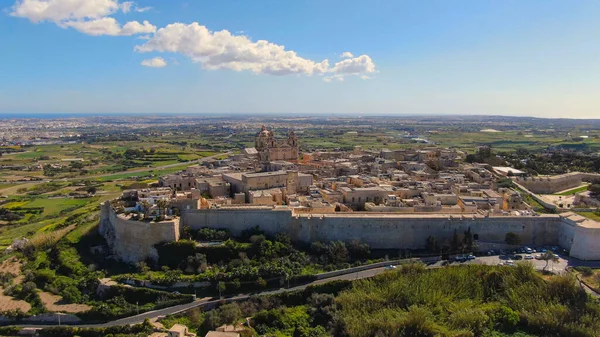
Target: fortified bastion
x=132, y=241
x=557, y=183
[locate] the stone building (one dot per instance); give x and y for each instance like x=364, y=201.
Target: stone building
x=269, y=149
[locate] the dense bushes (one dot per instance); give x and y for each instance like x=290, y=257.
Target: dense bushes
x=250, y=259
x=120, y=301
x=308, y=312
x=209, y=234
x=143, y=329
x=469, y=301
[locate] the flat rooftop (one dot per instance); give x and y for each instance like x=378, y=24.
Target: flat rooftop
x=265, y=174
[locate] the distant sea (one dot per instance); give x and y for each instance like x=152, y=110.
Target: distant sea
x=79, y=115
x=55, y=115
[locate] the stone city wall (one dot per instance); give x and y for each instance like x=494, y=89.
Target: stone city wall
x=380, y=231
x=133, y=241
x=554, y=184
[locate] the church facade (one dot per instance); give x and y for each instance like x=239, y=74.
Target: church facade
x=270, y=149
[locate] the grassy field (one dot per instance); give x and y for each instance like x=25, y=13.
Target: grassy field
x=56, y=205
x=55, y=213
x=590, y=215
x=144, y=174
x=98, y=158
x=574, y=191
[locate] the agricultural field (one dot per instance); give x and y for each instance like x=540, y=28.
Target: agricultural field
x=74, y=161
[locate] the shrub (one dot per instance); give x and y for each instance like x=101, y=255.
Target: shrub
x=585, y=271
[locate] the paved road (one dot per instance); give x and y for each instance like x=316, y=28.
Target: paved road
x=183, y=307
x=559, y=267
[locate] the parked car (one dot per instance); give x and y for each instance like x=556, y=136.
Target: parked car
x=528, y=257
x=556, y=256
x=538, y=257
x=470, y=257
x=509, y=263
x=390, y=267
x=517, y=257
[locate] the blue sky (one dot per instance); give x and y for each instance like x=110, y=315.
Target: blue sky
x=530, y=58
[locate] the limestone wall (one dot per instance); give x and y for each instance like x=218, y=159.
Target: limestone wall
x=378, y=230
x=586, y=243
x=554, y=184
x=133, y=241
x=238, y=219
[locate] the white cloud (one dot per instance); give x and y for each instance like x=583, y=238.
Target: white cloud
x=129, y=6
x=142, y=9
x=222, y=50
x=110, y=26
x=87, y=16
x=157, y=62
x=126, y=6
x=63, y=10
x=213, y=50
x=103, y=26
x=346, y=54
x=134, y=27
x=354, y=66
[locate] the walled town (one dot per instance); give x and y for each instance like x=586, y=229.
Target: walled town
x=391, y=199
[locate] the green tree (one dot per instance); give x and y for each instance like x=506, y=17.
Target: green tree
x=338, y=253
x=594, y=188
x=196, y=263
x=229, y=313
x=145, y=208
x=455, y=242
x=221, y=287
x=549, y=256
x=468, y=240
x=28, y=288
x=432, y=245
x=162, y=205
x=71, y=294
x=512, y=239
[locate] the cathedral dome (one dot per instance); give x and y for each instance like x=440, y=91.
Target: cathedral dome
x=264, y=132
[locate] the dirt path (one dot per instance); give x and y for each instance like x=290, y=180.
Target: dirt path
x=9, y=303
x=13, y=266
x=53, y=303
